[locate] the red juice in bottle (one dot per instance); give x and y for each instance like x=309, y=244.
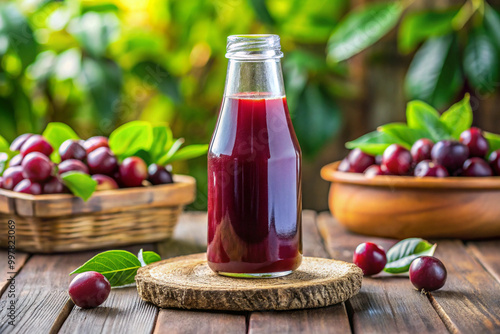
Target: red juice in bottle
x=254, y=170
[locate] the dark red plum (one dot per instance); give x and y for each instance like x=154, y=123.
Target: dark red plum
x=37, y=167
x=133, y=171
x=104, y=182
x=494, y=161
x=359, y=160
x=54, y=186
x=36, y=143
x=102, y=161
x=19, y=142
x=476, y=167
x=89, y=289
x=427, y=273
x=94, y=143
x=478, y=145
x=12, y=176
x=371, y=258
x=429, y=168
x=375, y=170
x=397, y=160
x=159, y=175
x=73, y=165
x=450, y=154
x=28, y=187
x=71, y=149
x=16, y=160
x=421, y=150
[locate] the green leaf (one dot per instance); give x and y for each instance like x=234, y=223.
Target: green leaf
x=4, y=145
x=185, y=153
x=148, y=257
x=416, y=27
x=130, y=138
x=362, y=28
x=171, y=151
x=401, y=255
x=493, y=141
x=261, y=11
x=373, y=143
x=422, y=116
x=492, y=23
x=406, y=135
x=316, y=119
x=458, y=118
x=118, y=266
x=57, y=133
x=481, y=62
x=160, y=141
x=80, y=184
x=434, y=75
x=4, y=160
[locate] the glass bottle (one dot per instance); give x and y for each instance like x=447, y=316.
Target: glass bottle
x=254, y=168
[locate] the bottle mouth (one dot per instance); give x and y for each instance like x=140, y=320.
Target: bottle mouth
x=253, y=47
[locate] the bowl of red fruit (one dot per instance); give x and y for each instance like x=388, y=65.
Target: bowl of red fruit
x=412, y=181
x=62, y=193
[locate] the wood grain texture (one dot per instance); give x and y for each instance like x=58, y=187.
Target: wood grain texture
x=20, y=260
x=470, y=299
x=322, y=320
x=488, y=254
x=195, y=322
x=384, y=305
x=403, y=206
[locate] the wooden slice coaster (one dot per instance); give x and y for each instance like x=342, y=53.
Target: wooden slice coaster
x=187, y=282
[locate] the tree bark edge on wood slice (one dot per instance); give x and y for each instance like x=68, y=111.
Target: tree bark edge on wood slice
x=187, y=282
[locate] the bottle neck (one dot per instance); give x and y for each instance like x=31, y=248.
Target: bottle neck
x=256, y=79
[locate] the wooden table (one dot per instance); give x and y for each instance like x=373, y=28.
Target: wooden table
x=468, y=303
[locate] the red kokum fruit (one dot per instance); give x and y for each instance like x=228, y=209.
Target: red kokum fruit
x=89, y=289
x=93, y=143
x=37, y=167
x=159, y=175
x=397, y=160
x=73, y=165
x=478, y=145
x=19, y=141
x=375, y=170
x=53, y=186
x=71, y=149
x=421, y=150
x=450, y=154
x=359, y=160
x=102, y=161
x=494, y=161
x=428, y=168
x=104, y=182
x=427, y=273
x=476, y=167
x=28, y=187
x=133, y=171
x=36, y=143
x=370, y=258
x=16, y=160
x=12, y=176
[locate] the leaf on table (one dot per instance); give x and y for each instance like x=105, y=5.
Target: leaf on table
x=416, y=27
x=481, y=62
x=362, y=28
x=401, y=255
x=422, y=116
x=80, y=184
x=434, y=75
x=405, y=135
x=147, y=257
x=131, y=137
x=118, y=266
x=458, y=117
x=373, y=143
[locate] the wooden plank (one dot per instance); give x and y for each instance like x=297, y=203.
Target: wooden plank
x=41, y=297
x=488, y=254
x=384, y=305
x=6, y=270
x=470, y=300
x=324, y=320
x=190, y=237
x=194, y=322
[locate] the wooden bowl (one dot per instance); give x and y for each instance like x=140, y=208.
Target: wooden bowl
x=405, y=206
x=62, y=223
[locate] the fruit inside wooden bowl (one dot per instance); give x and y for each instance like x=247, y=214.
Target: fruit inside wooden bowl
x=406, y=206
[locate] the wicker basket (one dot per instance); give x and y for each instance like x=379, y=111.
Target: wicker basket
x=62, y=223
